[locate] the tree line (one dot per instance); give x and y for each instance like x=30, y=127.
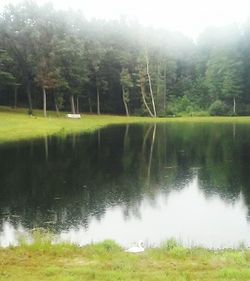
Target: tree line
x=59, y=60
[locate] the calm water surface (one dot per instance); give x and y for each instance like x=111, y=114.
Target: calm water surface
x=151, y=182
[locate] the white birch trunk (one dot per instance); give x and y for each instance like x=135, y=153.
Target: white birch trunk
x=145, y=102
x=150, y=84
x=234, y=107
x=124, y=101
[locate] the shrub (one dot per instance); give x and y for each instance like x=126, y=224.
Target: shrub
x=182, y=106
x=217, y=108
x=200, y=113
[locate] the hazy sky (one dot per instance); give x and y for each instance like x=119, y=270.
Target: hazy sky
x=188, y=16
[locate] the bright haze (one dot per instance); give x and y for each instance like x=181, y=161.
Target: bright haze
x=190, y=17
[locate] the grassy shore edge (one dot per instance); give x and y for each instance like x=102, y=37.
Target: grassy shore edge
x=108, y=261
x=16, y=125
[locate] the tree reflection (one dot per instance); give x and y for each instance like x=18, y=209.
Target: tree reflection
x=120, y=166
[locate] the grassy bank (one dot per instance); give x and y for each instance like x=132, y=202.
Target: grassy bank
x=17, y=125
x=108, y=261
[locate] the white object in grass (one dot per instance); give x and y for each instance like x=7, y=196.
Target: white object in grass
x=136, y=249
x=74, y=116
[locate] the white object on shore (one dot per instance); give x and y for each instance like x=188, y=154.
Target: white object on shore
x=74, y=116
x=136, y=249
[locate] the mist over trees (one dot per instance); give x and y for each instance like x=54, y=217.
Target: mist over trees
x=58, y=60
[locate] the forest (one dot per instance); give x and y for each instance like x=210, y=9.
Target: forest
x=57, y=60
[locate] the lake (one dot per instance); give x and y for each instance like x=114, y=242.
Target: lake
x=151, y=182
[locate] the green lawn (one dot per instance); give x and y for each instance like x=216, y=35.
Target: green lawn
x=17, y=125
x=108, y=261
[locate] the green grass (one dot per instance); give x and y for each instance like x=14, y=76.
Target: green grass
x=17, y=125
x=108, y=261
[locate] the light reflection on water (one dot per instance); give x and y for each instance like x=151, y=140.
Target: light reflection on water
x=9, y=236
x=186, y=214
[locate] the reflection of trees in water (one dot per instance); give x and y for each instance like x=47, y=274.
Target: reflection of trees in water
x=222, y=152
x=56, y=182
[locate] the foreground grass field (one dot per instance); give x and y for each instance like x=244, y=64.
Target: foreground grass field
x=108, y=261
x=17, y=125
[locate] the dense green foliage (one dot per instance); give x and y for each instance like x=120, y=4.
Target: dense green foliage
x=60, y=60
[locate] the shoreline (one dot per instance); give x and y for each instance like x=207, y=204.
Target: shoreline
x=16, y=125
x=108, y=261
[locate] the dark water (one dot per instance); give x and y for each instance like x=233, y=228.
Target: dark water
x=187, y=181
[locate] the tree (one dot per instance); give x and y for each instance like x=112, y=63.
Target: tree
x=224, y=77
x=19, y=35
x=150, y=82
x=145, y=84
x=232, y=84
x=47, y=77
x=127, y=84
x=6, y=77
x=90, y=64
x=72, y=64
x=96, y=54
x=8, y=73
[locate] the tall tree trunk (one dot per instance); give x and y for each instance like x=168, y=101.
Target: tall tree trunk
x=57, y=110
x=77, y=104
x=158, y=89
x=44, y=103
x=234, y=107
x=90, y=105
x=72, y=104
x=144, y=100
x=150, y=84
x=15, y=96
x=29, y=97
x=56, y=107
x=124, y=101
x=165, y=88
x=98, y=100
